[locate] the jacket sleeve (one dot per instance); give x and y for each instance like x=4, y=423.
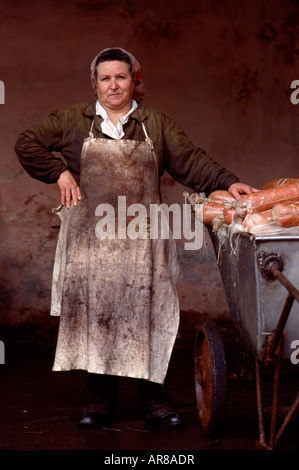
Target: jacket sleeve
x=36, y=147
x=190, y=165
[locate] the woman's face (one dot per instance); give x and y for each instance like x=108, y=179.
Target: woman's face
x=114, y=85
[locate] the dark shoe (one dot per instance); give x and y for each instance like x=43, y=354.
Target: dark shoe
x=93, y=420
x=162, y=414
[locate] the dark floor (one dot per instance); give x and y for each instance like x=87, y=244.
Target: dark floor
x=40, y=408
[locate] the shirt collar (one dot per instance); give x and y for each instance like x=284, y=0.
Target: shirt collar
x=116, y=132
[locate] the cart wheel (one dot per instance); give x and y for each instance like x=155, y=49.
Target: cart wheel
x=210, y=379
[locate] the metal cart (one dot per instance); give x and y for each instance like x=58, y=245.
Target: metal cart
x=259, y=274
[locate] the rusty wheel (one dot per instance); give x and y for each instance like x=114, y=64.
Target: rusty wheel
x=210, y=378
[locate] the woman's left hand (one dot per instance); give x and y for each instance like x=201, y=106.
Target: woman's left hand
x=239, y=189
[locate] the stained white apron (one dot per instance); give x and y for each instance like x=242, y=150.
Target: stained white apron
x=117, y=298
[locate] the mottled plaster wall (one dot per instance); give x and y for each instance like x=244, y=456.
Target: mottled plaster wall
x=221, y=69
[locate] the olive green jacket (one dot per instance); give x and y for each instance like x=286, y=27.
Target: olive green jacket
x=54, y=145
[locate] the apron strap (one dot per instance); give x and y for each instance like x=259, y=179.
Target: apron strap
x=147, y=139
x=90, y=132
x=144, y=130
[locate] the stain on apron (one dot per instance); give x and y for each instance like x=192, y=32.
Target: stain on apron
x=117, y=298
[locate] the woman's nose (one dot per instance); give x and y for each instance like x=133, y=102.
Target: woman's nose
x=113, y=84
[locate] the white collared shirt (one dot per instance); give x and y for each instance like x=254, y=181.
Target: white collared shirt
x=116, y=132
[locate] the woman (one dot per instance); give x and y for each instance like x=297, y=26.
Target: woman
x=116, y=297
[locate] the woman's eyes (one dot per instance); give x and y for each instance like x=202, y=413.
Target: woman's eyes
x=119, y=77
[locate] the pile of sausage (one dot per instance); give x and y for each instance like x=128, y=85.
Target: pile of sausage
x=276, y=203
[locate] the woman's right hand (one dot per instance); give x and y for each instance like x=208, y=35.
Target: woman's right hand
x=69, y=189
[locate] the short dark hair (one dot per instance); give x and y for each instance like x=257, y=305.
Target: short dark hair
x=114, y=54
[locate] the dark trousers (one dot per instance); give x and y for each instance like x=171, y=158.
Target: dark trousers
x=102, y=392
